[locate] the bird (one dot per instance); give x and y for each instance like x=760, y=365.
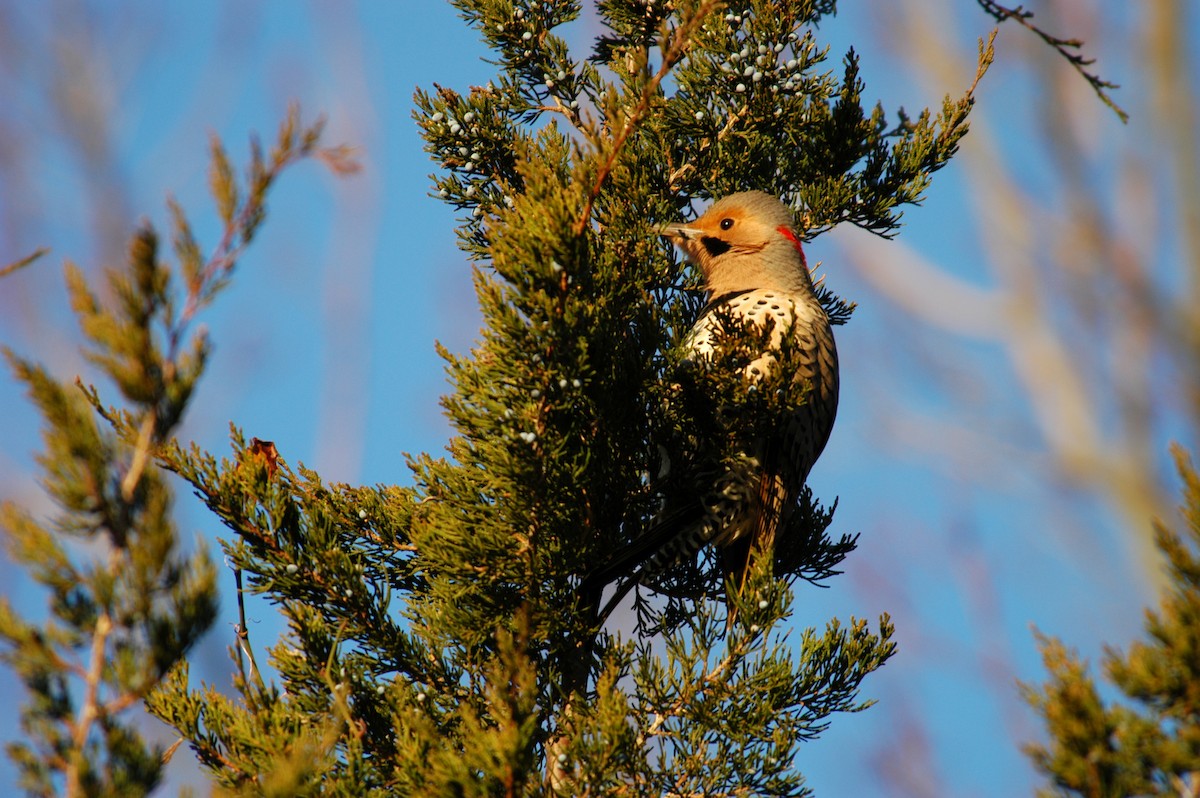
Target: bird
x=749, y=253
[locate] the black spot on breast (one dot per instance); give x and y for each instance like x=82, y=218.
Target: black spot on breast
x=714, y=246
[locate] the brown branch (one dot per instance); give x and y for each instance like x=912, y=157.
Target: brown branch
x=21, y=263
x=91, y=704
x=141, y=456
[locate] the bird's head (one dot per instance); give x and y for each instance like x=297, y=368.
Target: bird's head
x=743, y=241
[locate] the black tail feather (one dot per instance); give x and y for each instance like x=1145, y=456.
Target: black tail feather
x=661, y=545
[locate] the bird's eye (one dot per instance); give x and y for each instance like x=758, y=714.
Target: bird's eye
x=726, y=224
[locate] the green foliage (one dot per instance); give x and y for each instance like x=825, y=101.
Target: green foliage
x=126, y=601
x=1150, y=743
x=123, y=614
x=728, y=704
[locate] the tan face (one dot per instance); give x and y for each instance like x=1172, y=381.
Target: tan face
x=740, y=224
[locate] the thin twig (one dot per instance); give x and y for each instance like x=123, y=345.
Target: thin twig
x=23, y=262
x=1067, y=48
x=244, y=649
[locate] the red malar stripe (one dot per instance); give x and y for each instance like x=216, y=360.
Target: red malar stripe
x=787, y=233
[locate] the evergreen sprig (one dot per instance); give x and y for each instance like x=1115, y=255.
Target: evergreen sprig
x=126, y=600
x=1148, y=743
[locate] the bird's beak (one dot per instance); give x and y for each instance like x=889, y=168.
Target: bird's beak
x=680, y=232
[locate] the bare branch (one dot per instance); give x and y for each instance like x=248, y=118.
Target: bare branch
x=1067, y=48
x=21, y=263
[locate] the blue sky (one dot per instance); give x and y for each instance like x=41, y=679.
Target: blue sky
x=324, y=343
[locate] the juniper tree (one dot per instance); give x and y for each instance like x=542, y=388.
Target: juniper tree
x=443, y=636
x=1148, y=742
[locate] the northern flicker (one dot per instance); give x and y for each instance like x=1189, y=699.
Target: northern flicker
x=749, y=252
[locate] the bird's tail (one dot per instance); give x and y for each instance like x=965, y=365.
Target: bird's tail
x=672, y=538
